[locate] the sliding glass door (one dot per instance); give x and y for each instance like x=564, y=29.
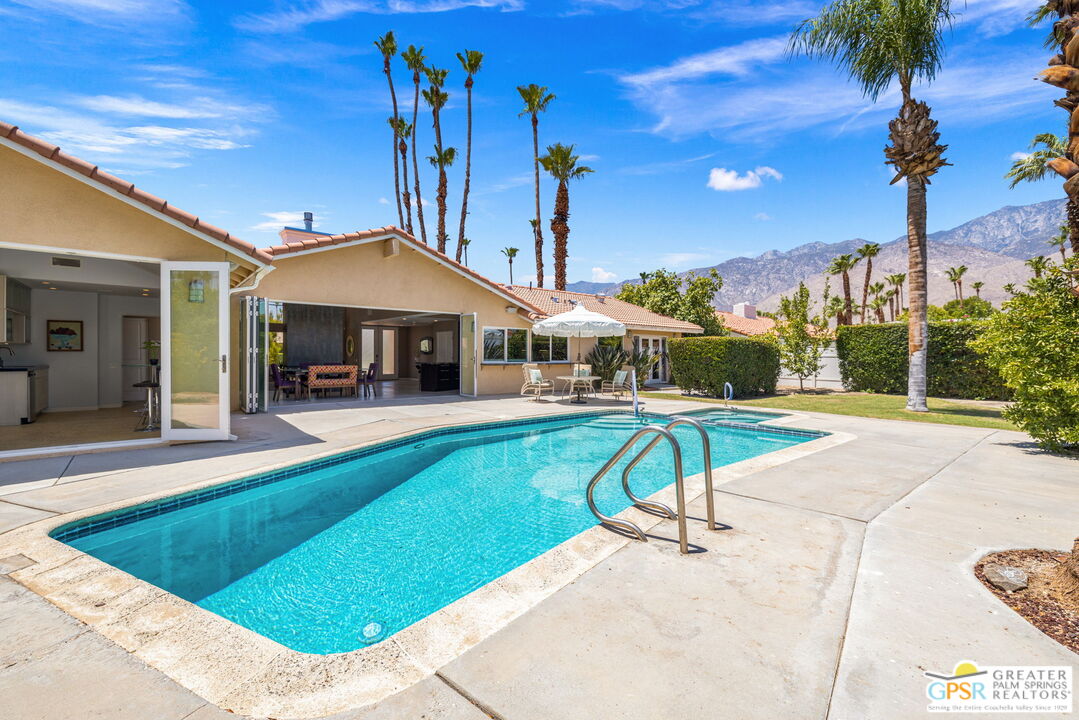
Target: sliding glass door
x=194, y=351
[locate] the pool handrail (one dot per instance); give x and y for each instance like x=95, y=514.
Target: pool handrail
x=679, y=486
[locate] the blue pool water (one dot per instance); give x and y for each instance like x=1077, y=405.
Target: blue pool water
x=335, y=555
x=734, y=415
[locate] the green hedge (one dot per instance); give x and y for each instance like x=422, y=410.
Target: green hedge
x=873, y=358
x=703, y=364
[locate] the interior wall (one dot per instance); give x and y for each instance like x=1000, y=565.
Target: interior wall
x=111, y=310
x=314, y=334
x=73, y=376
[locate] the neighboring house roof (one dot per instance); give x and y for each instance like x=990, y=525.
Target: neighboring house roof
x=55, y=155
x=553, y=302
x=319, y=243
x=746, y=326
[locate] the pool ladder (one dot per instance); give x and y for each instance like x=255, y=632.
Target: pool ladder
x=661, y=433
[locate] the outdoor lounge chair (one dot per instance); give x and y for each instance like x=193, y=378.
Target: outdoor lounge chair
x=617, y=386
x=535, y=384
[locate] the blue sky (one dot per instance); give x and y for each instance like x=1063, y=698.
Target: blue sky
x=708, y=142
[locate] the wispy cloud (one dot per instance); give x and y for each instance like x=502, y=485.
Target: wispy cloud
x=733, y=60
x=136, y=105
x=724, y=12
x=280, y=219
x=658, y=168
x=602, y=276
x=298, y=15
x=112, y=13
x=762, y=216
x=1017, y=156
x=681, y=260
x=725, y=180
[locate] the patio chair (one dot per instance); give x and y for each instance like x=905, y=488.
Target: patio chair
x=580, y=369
x=617, y=386
x=535, y=384
x=369, y=380
x=281, y=385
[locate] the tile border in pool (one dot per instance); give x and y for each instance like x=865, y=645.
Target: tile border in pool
x=240, y=670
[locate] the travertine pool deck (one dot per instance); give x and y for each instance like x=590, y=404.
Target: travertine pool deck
x=844, y=574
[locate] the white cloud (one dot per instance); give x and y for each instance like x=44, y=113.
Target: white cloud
x=299, y=15
x=190, y=109
x=725, y=180
x=1017, y=156
x=726, y=12
x=731, y=60
x=132, y=15
x=386, y=201
x=658, y=168
x=762, y=216
x=280, y=219
x=602, y=276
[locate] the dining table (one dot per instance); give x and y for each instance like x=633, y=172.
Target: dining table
x=578, y=384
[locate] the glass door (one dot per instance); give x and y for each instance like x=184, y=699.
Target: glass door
x=254, y=337
x=468, y=355
x=388, y=347
x=194, y=351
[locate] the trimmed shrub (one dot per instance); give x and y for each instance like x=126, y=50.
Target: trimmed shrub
x=873, y=358
x=703, y=364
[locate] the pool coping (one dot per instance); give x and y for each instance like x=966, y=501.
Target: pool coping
x=246, y=673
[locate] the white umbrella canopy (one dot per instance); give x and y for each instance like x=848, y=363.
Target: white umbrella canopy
x=579, y=323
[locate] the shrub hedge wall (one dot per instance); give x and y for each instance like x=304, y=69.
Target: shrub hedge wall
x=703, y=364
x=873, y=358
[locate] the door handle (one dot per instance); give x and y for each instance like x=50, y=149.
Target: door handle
x=224, y=363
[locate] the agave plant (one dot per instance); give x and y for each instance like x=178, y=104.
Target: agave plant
x=643, y=361
x=606, y=360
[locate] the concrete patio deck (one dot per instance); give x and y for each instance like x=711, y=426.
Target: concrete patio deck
x=843, y=576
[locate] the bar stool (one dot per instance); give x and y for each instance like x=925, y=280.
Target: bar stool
x=151, y=420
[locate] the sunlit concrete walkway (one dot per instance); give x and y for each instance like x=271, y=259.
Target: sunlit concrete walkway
x=843, y=575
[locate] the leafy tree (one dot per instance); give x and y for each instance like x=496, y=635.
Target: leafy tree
x=536, y=99
x=877, y=42
x=471, y=62
x=973, y=307
x=1031, y=343
x=562, y=165
x=688, y=299
x=801, y=338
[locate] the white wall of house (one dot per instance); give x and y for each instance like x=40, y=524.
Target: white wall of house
x=111, y=312
x=72, y=375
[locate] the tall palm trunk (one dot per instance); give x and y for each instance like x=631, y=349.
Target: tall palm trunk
x=396, y=170
x=560, y=230
x=468, y=172
x=1073, y=224
x=865, y=288
x=537, y=229
x=918, y=329
x=403, y=147
x=959, y=291
x=848, y=307
x=440, y=197
x=511, y=271
x=415, y=161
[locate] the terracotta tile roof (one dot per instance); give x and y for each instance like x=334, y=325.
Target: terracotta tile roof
x=746, y=326
x=55, y=154
x=324, y=241
x=553, y=302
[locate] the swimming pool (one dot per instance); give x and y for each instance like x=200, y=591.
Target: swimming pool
x=333, y=555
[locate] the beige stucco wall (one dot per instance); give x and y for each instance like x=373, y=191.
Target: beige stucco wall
x=42, y=206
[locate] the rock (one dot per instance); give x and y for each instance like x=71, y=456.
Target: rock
x=1007, y=578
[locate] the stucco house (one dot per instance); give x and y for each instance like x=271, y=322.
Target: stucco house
x=151, y=294
x=744, y=321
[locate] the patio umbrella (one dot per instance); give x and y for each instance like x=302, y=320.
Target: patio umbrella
x=579, y=323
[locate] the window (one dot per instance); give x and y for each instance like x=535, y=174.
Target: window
x=546, y=348
x=508, y=345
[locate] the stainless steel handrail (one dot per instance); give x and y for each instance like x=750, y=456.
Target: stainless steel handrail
x=709, y=496
x=679, y=485
x=658, y=506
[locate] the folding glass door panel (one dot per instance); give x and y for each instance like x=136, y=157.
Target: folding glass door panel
x=468, y=355
x=254, y=339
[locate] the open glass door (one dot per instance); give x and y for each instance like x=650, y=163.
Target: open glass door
x=254, y=338
x=194, y=351
x=468, y=355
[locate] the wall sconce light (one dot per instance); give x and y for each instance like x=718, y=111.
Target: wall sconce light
x=196, y=291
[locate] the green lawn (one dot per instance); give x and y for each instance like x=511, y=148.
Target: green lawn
x=887, y=407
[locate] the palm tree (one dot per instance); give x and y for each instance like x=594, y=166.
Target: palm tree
x=1059, y=241
x=536, y=99
x=471, y=61
x=1038, y=265
x=955, y=276
x=867, y=252
x=404, y=130
x=442, y=159
x=387, y=45
x=1047, y=148
x=510, y=253
x=899, y=279
x=436, y=100
x=876, y=42
x=464, y=243
x=978, y=285
x=877, y=306
x=414, y=59
x=842, y=265
x=561, y=163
